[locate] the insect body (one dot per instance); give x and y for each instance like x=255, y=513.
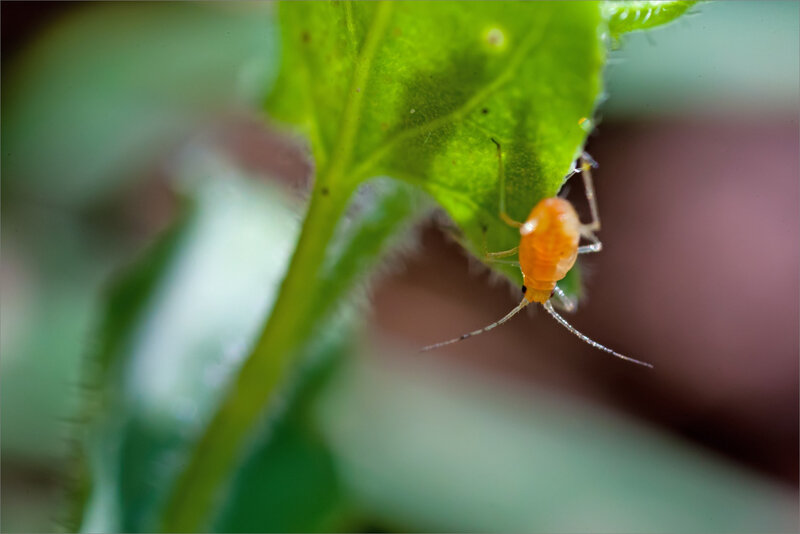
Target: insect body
x=548, y=248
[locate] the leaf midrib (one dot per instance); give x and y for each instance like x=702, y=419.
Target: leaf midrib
x=351, y=114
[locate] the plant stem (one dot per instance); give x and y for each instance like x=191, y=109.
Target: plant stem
x=194, y=496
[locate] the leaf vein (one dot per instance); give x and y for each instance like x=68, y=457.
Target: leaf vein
x=513, y=64
x=352, y=109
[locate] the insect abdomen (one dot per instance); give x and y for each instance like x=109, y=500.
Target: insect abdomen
x=549, y=251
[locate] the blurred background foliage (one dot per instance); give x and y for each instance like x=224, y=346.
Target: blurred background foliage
x=147, y=211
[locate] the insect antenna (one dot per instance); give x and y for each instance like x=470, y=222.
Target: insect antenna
x=511, y=314
x=595, y=344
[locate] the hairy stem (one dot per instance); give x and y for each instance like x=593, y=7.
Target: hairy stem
x=195, y=494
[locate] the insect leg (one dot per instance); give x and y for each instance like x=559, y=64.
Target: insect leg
x=565, y=302
x=587, y=249
x=564, y=192
x=502, y=253
x=563, y=322
x=501, y=179
x=586, y=164
x=596, y=245
x=510, y=314
x=494, y=257
x=490, y=256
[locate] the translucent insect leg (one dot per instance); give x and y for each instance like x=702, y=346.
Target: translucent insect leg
x=491, y=256
x=589, y=159
x=565, y=189
x=496, y=257
x=510, y=314
x=586, y=164
x=564, y=192
x=549, y=307
x=502, y=253
x=567, y=303
x=596, y=245
x=501, y=179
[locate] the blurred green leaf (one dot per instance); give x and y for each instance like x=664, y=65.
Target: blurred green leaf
x=102, y=414
x=102, y=91
x=431, y=449
x=90, y=103
x=193, y=307
x=724, y=59
x=624, y=17
x=178, y=326
x=51, y=264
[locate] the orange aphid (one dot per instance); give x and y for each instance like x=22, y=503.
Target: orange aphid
x=548, y=248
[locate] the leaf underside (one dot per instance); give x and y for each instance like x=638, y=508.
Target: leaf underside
x=446, y=78
x=442, y=80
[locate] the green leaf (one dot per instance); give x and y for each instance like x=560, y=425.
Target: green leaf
x=194, y=304
x=430, y=83
x=624, y=17
x=125, y=305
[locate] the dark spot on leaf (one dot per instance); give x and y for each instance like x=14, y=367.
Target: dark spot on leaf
x=485, y=111
x=325, y=191
x=306, y=37
x=453, y=84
